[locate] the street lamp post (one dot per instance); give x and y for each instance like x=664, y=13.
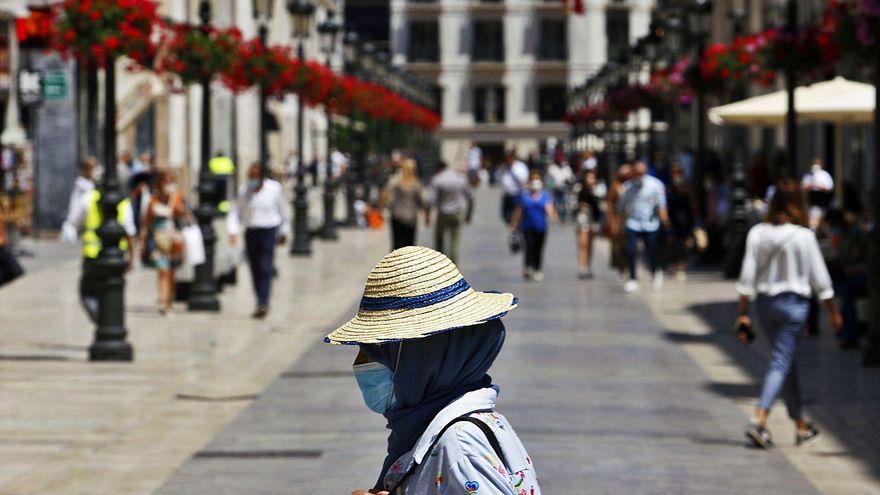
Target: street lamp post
x=203, y=294
x=698, y=14
x=328, y=30
x=791, y=139
x=301, y=16
x=263, y=14
x=110, y=265
x=677, y=32
x=350, y=52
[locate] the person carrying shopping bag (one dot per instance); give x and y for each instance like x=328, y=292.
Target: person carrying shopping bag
x=161, y=241
x=782, y=268
x=426, y=341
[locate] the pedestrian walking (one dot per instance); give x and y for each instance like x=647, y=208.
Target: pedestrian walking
x=88, y=216
x=474, y=164
x=513, y=180
x=82, y=188
x=451, y=196
x=590, y=194
x=614, y=221
x=261, y=211
x=531, y=216
x=559, y=182
x=848, y=265
x=782, y=268
x=404, y=196
x=423, y=366
x=161, y=239
x=643, y=206
x=684, y=215
x=819, y=186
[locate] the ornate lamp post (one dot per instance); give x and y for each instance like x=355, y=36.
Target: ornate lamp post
x=699, y=12
x=263, y=14
x=301, y=17
x=350, y=49
x=327, y=31
x=110, y=265
x=203, y=294
x=791, y=138
x=676, y=34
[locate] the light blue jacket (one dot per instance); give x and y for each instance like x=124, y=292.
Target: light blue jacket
x=463, y=462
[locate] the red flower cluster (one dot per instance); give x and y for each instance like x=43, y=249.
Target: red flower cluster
x=855, y=26
x=97, y=28
x=194, y=54
x=669, y=84
x=94, y=28
x=807, y=50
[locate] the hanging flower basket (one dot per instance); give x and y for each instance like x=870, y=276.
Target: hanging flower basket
x=855, y=26
x=93, y=29
x=257, y=65
x=194, y=54
x=806, y=50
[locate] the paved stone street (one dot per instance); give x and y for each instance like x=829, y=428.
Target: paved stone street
x=611, y=394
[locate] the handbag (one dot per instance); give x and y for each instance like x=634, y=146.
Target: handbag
x=194, y=245
x=10, y=269
x=514, y=242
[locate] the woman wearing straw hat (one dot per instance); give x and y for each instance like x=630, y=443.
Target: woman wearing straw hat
x=426, y=343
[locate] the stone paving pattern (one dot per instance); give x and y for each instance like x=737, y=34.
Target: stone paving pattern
x=610, y=393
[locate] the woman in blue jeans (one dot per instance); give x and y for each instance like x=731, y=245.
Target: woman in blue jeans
x=781, y=269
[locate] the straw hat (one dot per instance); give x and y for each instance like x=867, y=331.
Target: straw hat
x=415, y=292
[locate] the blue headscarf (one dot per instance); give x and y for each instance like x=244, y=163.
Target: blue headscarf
x=431, y=373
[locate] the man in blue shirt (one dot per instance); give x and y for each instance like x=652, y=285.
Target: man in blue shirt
x=643, y=206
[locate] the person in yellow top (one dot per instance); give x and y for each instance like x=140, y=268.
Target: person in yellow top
x=86, y=215
x=222, y=168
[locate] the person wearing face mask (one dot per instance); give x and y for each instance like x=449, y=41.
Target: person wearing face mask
x=161, y=240
x=643, y=207
x=819, y=186
x=426, y=342
x=261, y=211
x=534, y=208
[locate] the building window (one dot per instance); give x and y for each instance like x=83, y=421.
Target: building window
x=488, y=41
x=617, y=27
x=424, y=42
x=551, y=102
x=554, y=40
x=489, y=104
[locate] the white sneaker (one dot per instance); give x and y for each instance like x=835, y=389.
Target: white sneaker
x=631, y=286
x=538, y=277
x=527, y=273
x=658, y=280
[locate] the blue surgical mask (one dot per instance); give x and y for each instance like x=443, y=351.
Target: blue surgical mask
x=253, y=184
x=376, y=382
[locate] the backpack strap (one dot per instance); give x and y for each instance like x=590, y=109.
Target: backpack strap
x=490, y=435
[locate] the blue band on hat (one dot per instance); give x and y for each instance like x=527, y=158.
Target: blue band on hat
x=414, y=302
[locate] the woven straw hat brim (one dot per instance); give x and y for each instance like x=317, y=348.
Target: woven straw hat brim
x=465, y=309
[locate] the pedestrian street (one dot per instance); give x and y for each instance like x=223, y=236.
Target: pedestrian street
x=612, y=393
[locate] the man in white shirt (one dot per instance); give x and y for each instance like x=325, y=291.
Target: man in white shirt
x=819, y=186
x=262, y=211
x=514, y=177
x=83, y=186
x=590, y=162
x=474, y=163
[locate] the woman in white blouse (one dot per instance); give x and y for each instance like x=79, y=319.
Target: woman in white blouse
x=782, y=268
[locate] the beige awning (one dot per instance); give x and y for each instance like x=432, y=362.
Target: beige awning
x=838, y=100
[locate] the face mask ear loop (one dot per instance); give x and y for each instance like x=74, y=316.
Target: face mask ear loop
x=393, y=385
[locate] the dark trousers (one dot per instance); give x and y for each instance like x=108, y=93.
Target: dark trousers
x=632, y=249
x=534, y=252
x=260, y=248
x=849, y=290
x=402, y=234
x=90, y=290
x=508, y=204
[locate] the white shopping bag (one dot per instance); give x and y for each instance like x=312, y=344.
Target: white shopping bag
x=194, y=245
